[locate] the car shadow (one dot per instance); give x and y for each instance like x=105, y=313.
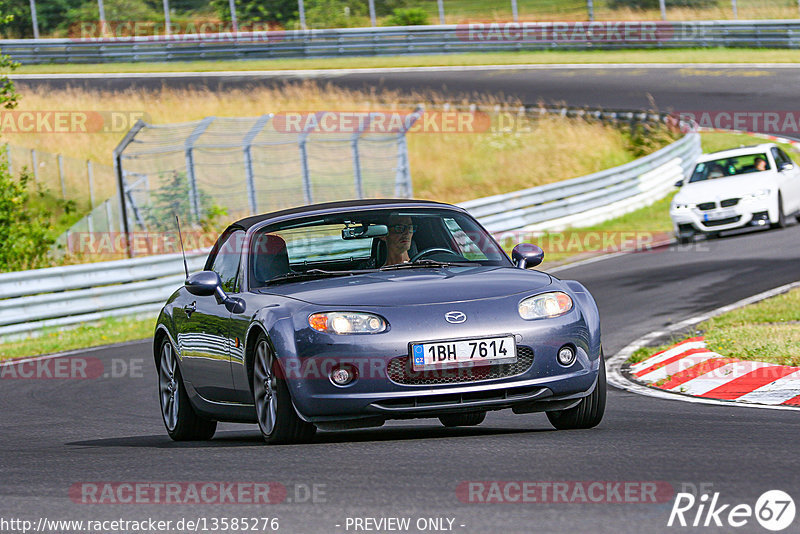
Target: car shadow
x=250, y=439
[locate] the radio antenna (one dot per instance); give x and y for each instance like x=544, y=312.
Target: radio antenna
x=180, y=237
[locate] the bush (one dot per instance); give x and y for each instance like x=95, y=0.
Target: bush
x=173, y=199
x=281, y=12
x=653, y=4
x=412, y=16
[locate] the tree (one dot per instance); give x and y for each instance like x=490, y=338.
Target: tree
x=50, y=14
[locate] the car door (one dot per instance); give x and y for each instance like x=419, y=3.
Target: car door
x=203, y=326
x=790, y=181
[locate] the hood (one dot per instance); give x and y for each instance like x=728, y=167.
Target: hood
x=722, y=188
x=414, y=287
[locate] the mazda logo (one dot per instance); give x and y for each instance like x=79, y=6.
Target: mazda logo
x=455, y=317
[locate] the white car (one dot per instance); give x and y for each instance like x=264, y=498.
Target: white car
x=737, y=188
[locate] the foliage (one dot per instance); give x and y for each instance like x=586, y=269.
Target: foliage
x=25, y=224
x=282, y=12
x=49, y=15
x=411, y=16
x=334, y=13
x=173, y=199
x=654, y=4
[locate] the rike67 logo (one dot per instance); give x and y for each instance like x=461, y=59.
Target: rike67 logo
x=774, y=510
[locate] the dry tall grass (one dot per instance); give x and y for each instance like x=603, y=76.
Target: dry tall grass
x=450, y=167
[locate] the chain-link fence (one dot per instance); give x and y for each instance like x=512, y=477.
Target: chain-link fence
x=242, y=166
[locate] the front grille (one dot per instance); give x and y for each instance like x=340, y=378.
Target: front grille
x=721, y=222
x=705, y=206
x=728, y=202
x=400, y=371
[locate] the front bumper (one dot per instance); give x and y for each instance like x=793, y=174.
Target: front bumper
x=543, y=384
x=743, y=215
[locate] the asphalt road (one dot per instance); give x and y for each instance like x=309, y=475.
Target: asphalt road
x=669, y=88
x=59, y=433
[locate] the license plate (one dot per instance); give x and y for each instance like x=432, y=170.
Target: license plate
x=717, y=215
x=463, y=352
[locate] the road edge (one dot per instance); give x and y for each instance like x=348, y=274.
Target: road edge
x=614, y=364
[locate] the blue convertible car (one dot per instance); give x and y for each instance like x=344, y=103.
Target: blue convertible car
x=344, y=315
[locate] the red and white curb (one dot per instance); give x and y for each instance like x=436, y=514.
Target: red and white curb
x=690, y=368
x=695, y=373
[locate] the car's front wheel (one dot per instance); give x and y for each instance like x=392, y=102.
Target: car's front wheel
x=462, y=419
x=781, y=222
x=589, y=412
x=277, y=419
x=182, y=423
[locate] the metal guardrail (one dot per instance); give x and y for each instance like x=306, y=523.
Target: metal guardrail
x=433, y=39
x=61, y=296
x=553, y=203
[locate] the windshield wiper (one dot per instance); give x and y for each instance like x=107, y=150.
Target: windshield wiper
x=427, y=263
x=310, y=274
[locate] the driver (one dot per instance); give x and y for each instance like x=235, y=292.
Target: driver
x=760, y=164
x=398, y=240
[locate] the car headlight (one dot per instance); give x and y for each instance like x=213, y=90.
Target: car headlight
x=347, y=323
x=761, y=194
x=545, y=305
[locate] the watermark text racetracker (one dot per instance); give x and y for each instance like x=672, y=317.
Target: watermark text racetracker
x=764, y=121
x=564, y=492
x=71, y=368
x=145, y=524
x=68, y=121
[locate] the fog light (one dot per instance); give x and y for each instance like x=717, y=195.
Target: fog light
x=566, y=355
x=341, y=376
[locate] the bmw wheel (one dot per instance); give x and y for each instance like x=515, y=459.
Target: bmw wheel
x=589, y=412
x=180, y=419
x=781, y=222
x=277, y=419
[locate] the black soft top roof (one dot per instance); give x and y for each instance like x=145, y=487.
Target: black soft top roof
x=326, y=207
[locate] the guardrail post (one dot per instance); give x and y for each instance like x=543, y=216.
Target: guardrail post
x=735, y=9
x=301, y=9
x=590, y=10
x=440, y=5
x=34, y=20
x=35, y=164
x=301, y=144
x=259, y=125
x=372, y=13
x=194, y=194
x=357, y=157
x=663, y=7
x=118, y=171
x=402, y=183
x=60, y=160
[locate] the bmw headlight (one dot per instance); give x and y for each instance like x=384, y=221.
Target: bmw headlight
x=761, y=194
x=545, y=305
x=347, y=323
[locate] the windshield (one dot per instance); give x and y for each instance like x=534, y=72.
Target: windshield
x=733, y=166
x=369, y=240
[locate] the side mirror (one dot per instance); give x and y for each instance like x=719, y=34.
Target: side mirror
x=785, y=166
x=203, y=284
x=526, y=255
x=679, y=183
x=208, y=283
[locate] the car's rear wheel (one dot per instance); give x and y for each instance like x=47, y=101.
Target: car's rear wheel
x=462, y=419
x=589, y=412
x=277, y=419
x=781, y=222
x=180, y=419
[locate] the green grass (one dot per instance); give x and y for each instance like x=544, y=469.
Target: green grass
x=768, y=331
x=103, y=332
x=682, y=56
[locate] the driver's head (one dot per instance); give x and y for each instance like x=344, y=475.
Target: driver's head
x=761, y=164
x=401, y=230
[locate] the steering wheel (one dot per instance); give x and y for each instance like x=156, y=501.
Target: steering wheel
x=430, y=251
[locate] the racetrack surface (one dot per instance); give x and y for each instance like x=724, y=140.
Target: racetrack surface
x=57, y=433
x=668, y=88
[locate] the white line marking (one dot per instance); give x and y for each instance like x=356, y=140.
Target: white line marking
x=776, y=392
x=719, y=377
x=683, y=364
x=666, y=355
x=614, y=364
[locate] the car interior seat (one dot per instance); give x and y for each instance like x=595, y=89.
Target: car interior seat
x=271, y=258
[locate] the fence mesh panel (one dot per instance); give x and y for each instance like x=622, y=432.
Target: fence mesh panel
x=243, y=166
